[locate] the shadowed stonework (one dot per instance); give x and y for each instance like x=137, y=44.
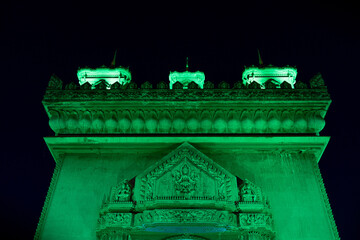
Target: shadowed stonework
x=187, y=159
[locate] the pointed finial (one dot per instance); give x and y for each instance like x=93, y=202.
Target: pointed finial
x=114, y=59
x=260, y=60
x=187, y=63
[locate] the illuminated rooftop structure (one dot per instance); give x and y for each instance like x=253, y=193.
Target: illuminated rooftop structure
x=265, y=74
x=187, y=77
x=110, y=75
x=222, y=162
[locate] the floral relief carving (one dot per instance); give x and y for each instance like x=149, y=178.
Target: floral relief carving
x=185, y=179
x=122, y=192
x=186, y=216
x=150, y=187
x=249, y=192
x=110, y=219
x=204, y=195
x=255, y=220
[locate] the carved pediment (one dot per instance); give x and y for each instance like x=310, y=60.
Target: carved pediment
x=185, y=173
x=185, y=192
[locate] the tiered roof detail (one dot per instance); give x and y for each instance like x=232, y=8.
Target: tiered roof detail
x=187, y=79
x=99, y=107
x=109, y=76
x=270, y=76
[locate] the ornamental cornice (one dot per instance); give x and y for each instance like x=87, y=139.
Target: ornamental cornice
x=187, y=94
x=129, y=110
x=186, y=216
x=122, y=220
x=277, y=145
x=148, y=119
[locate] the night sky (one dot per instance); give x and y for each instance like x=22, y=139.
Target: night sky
x=37, y=41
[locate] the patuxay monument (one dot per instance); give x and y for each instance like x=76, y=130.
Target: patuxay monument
x=187, y=159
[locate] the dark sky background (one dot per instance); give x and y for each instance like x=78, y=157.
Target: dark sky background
x=37, y=41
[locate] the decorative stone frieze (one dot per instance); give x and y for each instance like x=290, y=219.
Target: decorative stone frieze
x=186, y=216
x=199, y=197
x=93, y=119
x=252, y=221
x=132, y=93
x=124, y=109
x=118, y=234
x=122, y=220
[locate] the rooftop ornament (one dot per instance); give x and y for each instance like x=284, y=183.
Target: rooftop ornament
x=185, y=78
x=269, y=75
x=263, y=74
x=108, y=75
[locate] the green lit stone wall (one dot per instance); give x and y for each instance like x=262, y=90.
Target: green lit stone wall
x=291, y=185
x=258, y=130
x=285, y=174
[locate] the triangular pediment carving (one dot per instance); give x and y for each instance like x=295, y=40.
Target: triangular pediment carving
x=185, y=192
x=185, y=173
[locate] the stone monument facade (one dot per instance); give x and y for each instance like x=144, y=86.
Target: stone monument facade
x=186, y=159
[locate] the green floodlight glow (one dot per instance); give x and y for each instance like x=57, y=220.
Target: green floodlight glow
x=144, y=163
x=187, y=77
x=110, y=75
x=263, y=74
